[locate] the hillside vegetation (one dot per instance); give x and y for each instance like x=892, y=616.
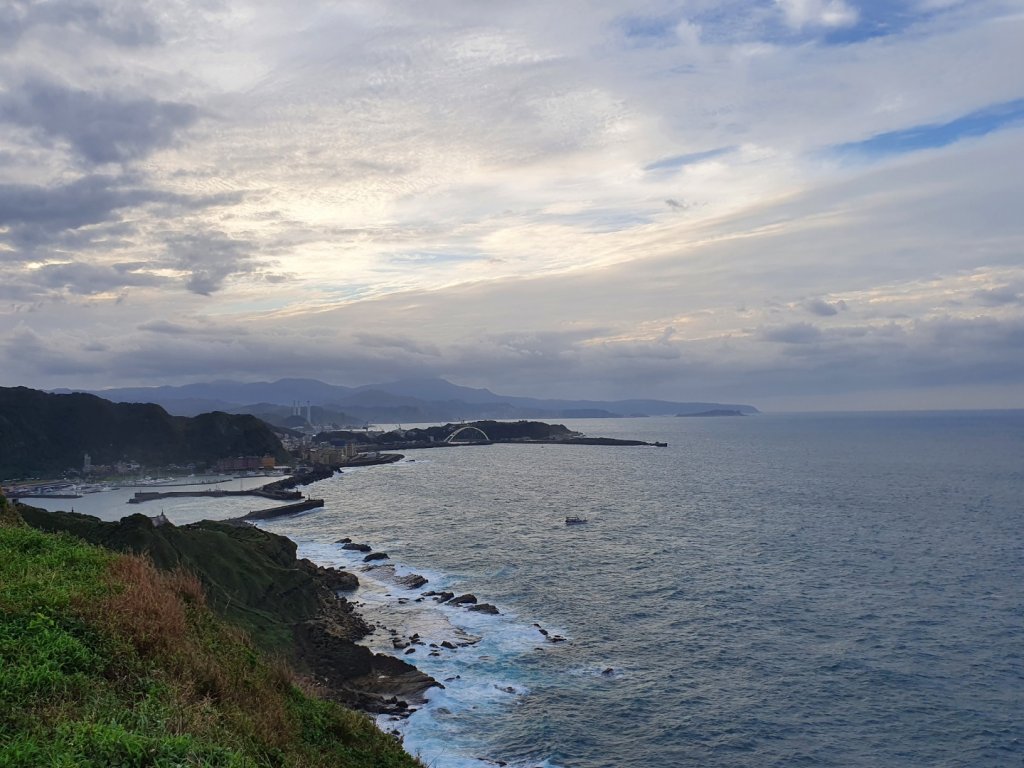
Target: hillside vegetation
x=108, y=661
x=41, y=433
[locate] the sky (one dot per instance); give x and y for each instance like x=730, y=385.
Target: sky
x=798, y=204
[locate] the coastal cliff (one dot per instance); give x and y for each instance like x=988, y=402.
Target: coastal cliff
x=115, y=658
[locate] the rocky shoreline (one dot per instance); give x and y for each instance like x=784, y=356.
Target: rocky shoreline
x=289, y=606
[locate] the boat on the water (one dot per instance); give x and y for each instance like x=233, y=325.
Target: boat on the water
x=575, y=520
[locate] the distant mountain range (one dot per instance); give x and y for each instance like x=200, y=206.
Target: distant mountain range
x=405, y=401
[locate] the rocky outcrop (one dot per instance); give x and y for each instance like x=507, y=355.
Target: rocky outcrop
x=288, y=606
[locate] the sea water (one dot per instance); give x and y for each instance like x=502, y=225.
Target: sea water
x=773, y=590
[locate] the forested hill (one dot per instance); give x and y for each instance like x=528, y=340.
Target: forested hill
x=41, y=433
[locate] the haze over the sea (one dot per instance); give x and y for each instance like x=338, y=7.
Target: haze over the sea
x=801, y=204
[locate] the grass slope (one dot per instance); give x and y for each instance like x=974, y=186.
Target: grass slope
x=107, y=661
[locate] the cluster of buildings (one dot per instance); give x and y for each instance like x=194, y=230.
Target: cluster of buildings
x=245, y=464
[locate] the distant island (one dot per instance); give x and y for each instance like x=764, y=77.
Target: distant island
x=714, y=412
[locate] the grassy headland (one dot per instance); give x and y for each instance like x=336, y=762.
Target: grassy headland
x=110, y=661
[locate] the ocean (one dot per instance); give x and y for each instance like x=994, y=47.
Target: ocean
x=772, y=590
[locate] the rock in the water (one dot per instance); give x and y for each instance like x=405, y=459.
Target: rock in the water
x=375, y=556
x=608, y=671
x=463, y=600
x=484, y=608
x=448, y=644
x=356, y=547
x=346, y=540
x=412, y=581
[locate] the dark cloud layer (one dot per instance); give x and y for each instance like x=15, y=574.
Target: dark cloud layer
x=99, y=127
x=37, y=215
x=209, y=258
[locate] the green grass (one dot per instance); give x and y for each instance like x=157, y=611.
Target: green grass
x=106, y=661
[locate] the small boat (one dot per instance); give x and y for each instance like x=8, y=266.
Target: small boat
x=575, y=520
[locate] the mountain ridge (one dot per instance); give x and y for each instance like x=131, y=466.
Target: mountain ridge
x=404, y=400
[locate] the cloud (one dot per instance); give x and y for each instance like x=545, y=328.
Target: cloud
x=795, y=333
x=99, y=127
x=164, y=326
x=646, y=171
x=402, y=344
x=818, y=13
x=87, y=279
x=125, y=24
x=822, y=308
x=80, y=213
x=999, y=296
x=208, y=259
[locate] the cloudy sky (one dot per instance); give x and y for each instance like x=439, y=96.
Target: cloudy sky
x=794, y=203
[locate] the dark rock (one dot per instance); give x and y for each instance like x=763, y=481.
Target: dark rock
x=608, y=671
x=375, y=556
x=556, y=639
x=463, y=600
x=410, y=650
x=448, y=644
x=334, y=579
x=346, y=540
x=485, y=608
x=356, y=547
x=443, y=596
x=412, y=581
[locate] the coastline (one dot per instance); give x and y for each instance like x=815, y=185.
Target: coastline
x=475, y=653
x=288, y=605
x=368, y=634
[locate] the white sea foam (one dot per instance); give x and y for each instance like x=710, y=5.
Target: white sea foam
x=480, y=673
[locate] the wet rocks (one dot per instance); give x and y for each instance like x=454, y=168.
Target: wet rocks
x=462, y=600
x=375, y=556
x=334, y=579
x=440, y=597
x=412, y=581
x=485, y=608
x=352, y=546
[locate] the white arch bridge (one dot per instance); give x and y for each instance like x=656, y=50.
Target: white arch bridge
x=482, y=436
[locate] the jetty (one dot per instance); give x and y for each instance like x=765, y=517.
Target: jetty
x=284, y=509
x=278, y=495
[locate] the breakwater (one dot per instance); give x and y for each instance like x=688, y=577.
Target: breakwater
x=285, y=509
x=143, y=496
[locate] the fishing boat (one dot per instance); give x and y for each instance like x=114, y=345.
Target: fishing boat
x=575, y=520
